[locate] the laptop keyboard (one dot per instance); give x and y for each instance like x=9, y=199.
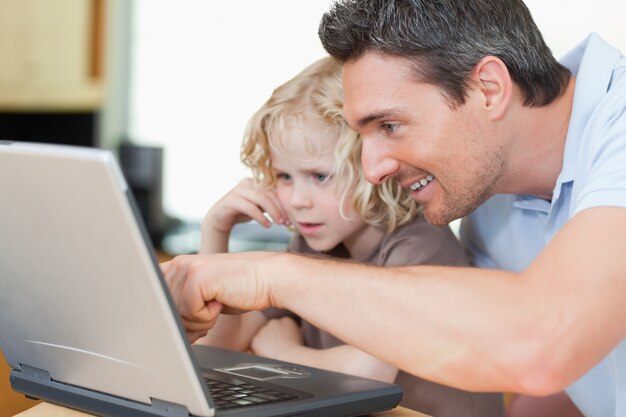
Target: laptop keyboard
x=226, y=395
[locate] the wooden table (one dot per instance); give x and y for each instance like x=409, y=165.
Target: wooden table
x=50, y=410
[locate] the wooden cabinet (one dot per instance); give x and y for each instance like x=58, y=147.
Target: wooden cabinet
x=51, y=54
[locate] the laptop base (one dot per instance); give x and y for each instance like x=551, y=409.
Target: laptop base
x=37, y=384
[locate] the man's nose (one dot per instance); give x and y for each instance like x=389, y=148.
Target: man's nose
x=378, y=165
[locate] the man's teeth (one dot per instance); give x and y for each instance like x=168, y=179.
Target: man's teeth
x=421, y=183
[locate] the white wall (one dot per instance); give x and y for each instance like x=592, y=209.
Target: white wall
x=564, y=23
x=202, y=67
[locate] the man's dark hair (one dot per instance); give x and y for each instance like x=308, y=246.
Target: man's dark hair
x=445, y=39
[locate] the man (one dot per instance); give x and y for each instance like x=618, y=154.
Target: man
x=461, y=101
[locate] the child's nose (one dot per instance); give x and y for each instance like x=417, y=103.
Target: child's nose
x=301, y=197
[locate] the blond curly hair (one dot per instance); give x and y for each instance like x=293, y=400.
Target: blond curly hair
x=317, y=91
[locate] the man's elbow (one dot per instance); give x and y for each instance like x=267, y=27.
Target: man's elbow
x=540, y=384
x=542, y=376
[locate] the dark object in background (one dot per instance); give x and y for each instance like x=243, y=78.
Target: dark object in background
x=66, y=128
x=143, y=169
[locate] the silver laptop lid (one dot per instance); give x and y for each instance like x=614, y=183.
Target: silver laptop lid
x=80, y=294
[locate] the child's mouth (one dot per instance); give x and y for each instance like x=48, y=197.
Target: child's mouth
x=309, y=228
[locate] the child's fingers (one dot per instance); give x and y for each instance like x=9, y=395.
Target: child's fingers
x=269, y=208
x=275, y=209
x=255, y=212
x=266, y=210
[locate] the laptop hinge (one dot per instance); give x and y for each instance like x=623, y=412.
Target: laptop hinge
x=35, y=372
x=170, y=409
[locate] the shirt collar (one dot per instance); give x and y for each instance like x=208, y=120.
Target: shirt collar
x=530, y=202
x=592, y=62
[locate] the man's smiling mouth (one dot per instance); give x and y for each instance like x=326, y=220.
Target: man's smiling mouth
x=421, y=183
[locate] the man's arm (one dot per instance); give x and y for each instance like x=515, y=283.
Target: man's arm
x=532, y=332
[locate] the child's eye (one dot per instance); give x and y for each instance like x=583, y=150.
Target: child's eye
x=321, y=178
x=283, y=177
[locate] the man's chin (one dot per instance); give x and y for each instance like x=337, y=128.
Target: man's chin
x=437, y=218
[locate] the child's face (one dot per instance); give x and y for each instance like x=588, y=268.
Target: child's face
x=303, y=161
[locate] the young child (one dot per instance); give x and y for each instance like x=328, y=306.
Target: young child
x=307, y=176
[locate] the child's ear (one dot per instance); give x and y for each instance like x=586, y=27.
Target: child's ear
x=494, y=84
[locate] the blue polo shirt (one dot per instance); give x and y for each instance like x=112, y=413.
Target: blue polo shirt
x=509, y=231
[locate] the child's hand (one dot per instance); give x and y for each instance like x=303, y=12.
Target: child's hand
x=243, y=203
x=277, y=337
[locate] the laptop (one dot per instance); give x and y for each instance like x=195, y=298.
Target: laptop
x=87, y=321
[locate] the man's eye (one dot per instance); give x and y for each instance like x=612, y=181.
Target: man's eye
x=390, y=127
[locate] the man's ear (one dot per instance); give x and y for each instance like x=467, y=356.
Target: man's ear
x=494, y=84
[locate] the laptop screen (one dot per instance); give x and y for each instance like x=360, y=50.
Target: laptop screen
x=77, y=270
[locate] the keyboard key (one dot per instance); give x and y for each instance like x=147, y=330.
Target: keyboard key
x=227, y=395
